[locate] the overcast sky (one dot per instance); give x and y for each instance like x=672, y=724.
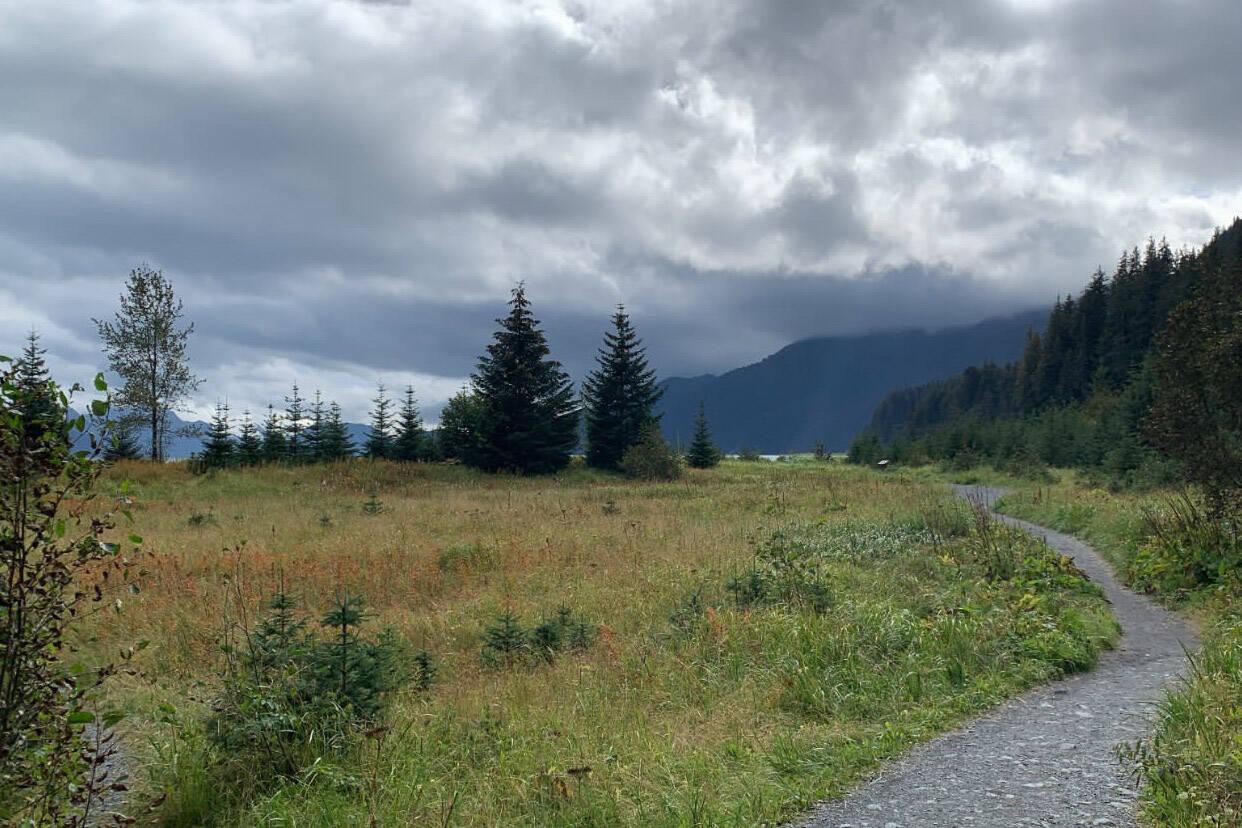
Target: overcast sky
x=345, y=191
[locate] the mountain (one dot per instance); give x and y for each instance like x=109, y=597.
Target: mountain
x=826, y=388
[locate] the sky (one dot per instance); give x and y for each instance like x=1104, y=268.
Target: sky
x=346, y=192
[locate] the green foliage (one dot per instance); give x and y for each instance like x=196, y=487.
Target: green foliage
x=54, y=568
x=275, y=448
x=618, y=396
x=462, y=424
x=749, y=455
x=410, y=443
x=147, y=350
x=651, y=458
x=249, y=442
x=336, y=443
x=379, y=442
x=295, y=442
x=219, y=448
x=703, y=453
x=1196, y=414
x=526, y=420
x=1082, y=391
x=506, y=641
x=288, y=697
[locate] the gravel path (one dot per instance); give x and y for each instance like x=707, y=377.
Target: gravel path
x=1045, y=758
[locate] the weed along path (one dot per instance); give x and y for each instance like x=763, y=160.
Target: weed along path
x=1047, y=757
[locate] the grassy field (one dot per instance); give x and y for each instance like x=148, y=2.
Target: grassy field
x=1192, y=765
x=883, y=618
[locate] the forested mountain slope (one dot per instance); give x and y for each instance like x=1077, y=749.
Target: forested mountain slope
x=1081, y=388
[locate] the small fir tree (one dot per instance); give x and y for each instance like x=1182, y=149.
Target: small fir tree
x=411, y=441
x=529, y=422
x=337, y=443
x=249, y=443
x=703, y=453
x=379, y=439
x=274, y=448
x=40, y=409
x=121, y=444
x=618, y=396
x=295, y=427
x=219, y=449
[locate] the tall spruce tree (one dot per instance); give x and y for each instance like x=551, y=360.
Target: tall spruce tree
x=411, y=441
x=315, y=430
x=337, y=443
x=529, y=422
x=274, y=448
x=219, y=449
x=249, y=443
x=295, y=427
x=147, y=350
x=703, y=453
x=619, y=395
x=379, y=438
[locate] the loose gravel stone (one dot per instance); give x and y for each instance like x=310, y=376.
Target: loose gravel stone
x=1045, y=758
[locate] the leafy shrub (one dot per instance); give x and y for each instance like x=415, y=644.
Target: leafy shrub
x=748, y=454
x=1186, y=548
x=782, y=572
x=54, y=564
x=651, y=458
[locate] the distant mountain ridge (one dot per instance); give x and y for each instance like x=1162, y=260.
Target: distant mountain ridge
x=826, y=388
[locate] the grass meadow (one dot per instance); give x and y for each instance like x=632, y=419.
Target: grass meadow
x=763, y=635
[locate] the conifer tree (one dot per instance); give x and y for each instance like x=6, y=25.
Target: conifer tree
x=529, y=422
x=315, y=430
x=295, y=427
x=219, y=450
x=249, y=444
x=121, y=443
x=274, y=448
x=379, y=438
x=411, y=441
x=40, y=409
x=703, y=453
x=336, y=444
x=619, y=395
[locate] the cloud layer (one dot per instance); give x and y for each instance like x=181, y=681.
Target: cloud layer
x=346, y=191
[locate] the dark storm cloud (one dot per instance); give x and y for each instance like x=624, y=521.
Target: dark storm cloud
x=345, y=192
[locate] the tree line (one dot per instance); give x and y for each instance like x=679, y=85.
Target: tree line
x=1095, y=388
x=518, y=413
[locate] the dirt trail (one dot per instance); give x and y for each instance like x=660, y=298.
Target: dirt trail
x=1045, y=758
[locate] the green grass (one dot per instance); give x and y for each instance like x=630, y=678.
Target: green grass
x=866, y=624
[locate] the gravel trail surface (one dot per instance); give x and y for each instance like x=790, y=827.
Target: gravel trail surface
x=1044, y=758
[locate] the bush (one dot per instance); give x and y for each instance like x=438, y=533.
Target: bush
x=651, y=458
x=506, y=641
x=748, y=454
x=54, y=565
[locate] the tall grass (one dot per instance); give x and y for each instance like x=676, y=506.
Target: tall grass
x=885, y=620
